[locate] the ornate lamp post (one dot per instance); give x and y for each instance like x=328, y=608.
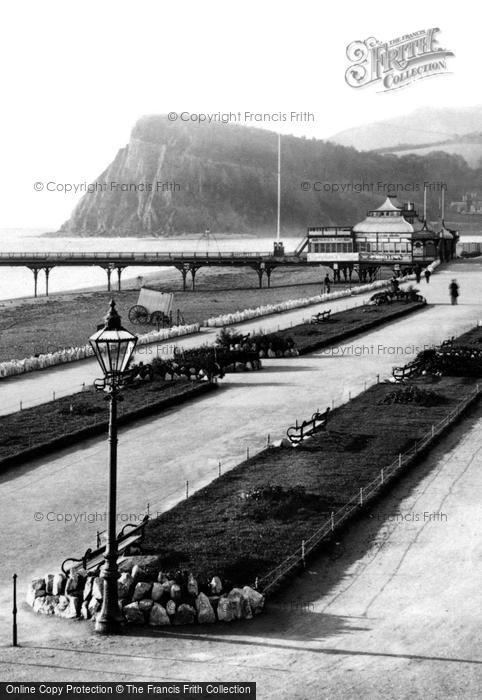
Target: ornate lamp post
x=113, y=346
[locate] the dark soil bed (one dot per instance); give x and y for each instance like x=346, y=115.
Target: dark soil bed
x=249, y=520
x=312, y=336
x=40, y=429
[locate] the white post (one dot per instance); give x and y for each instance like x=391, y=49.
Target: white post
x=361, y=496
x=279, y=189
x=332, y=521
x=400, y=459
x=381, y=475
x=303, y=552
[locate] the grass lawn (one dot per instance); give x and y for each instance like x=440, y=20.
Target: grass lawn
x=89, y=409
x=310, y=336
x=250, y=519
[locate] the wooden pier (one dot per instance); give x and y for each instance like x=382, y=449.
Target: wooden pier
x=188, y=263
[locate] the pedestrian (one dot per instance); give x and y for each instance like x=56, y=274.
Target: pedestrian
x=427, y=274
x=418, y=275
x=327, y=284
x=454, y=292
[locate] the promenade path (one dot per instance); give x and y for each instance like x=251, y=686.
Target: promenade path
x=393, y=615
x=38, y=387
x=353, y=633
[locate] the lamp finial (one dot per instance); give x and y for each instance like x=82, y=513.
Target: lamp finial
x=112, y=320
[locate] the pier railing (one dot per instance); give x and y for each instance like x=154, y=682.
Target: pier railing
x=96, y=255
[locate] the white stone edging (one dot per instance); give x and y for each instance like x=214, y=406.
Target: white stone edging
x=240, y=316
x=11, y=368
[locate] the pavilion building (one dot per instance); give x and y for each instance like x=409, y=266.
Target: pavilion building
x=390, y=235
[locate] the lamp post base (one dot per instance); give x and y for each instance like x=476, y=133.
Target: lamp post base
x=110, y=619
x=107, y=625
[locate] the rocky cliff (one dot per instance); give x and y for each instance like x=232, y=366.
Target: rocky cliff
x=175, y=177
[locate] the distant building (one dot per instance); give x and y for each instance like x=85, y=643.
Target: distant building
x=471, y=203
x=391, y=234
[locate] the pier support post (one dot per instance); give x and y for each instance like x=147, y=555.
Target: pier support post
x=47, y=273
x=269, y=270
x=193, y=269
x=35, y=280
x=108, y=269
x=183, y=269
x=259, y=268
x=260, y=277
x=119, y=273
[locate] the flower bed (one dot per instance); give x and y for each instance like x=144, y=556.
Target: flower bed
x=52, y=359
x=307, y=337
x=244, y=523
x=60, y=423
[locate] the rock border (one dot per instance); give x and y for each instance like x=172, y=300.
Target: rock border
x=168, y=600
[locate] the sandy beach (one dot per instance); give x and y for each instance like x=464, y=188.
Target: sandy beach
x=30, y=326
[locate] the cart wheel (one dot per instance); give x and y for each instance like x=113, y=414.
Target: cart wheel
x=158, y=318
x=138, y=314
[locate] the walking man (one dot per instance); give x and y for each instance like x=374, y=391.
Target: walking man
x=454, y=292
x=427, y=274
x=327, y=284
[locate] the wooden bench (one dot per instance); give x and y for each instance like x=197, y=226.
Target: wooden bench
x=401, y=373
x=380, y=298
x=93, y=558
x=297, y=433
x=321, y=316
x=447, y=342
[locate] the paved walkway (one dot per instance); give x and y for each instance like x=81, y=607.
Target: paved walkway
x=251, y=406
x=38, y=387
x=392, y=613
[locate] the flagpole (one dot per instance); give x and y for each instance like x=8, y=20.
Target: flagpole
x=425, y=204
x=279, y=189
x=443, y=205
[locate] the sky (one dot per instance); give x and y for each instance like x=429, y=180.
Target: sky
x=77, y=75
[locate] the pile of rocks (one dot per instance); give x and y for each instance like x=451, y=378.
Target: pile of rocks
x=165, y=601
x=414, y=395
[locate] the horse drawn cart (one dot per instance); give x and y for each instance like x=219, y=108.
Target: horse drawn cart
x=153, y=308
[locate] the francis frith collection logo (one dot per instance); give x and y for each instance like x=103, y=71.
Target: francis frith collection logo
x=398, y=62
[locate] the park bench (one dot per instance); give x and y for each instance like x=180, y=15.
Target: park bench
x=297, y=433
x=380, y=298
x=405, y=372
x=321, y=316
x=93, y=558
